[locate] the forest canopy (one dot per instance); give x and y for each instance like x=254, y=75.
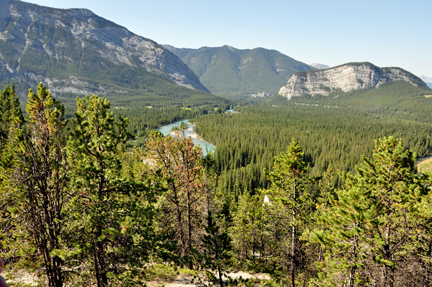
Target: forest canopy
x=309, y=196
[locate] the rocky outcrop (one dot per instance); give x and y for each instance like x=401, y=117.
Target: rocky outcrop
x=77, y=51
x=344, y=78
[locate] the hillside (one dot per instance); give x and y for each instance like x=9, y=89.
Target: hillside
x=345, y=78
x=396, y=99
x=227, y=71
x=75, y=52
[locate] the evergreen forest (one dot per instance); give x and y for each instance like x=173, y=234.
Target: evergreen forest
x=311, y=192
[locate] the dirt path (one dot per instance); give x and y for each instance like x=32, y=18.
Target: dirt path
x=179, y=281
x=186, y=280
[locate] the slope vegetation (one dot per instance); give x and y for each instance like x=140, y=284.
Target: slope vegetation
x=345, y=78
x=228, y=71
x=76, y=52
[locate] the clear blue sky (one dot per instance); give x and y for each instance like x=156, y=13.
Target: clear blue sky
x=386, y=33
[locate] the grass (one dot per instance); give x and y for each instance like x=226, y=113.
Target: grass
x=425, y=166
x=167, y=272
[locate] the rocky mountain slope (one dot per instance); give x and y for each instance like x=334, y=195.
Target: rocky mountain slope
x=74, y=51
x=228, y=71
x=345, y=78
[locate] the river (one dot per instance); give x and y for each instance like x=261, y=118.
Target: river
x=206, y=146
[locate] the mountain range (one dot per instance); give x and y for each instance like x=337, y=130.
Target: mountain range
x=230, y=72
x=75, y=52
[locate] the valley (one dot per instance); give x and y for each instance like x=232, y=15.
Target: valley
x=193, y=167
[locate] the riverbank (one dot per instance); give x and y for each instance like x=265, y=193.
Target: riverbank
x=189, y=132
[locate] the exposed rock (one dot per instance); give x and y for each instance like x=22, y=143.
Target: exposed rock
x=345, y=78
x=260, y=95
x=74, y=50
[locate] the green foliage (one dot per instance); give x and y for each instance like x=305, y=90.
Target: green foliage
x=397, y=99
x=181, y=127
x=217, y=246
x=177, y=164
x=247, y=142
x=111, y=215
x=290, y=199
x=35, y=185
x=82, y=63
x=10, y=112
x=231, y=72
x=366, y=229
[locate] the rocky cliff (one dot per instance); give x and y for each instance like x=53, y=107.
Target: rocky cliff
x=344, y=78
x=76, y=51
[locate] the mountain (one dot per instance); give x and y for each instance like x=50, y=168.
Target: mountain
x=75, y=52
x=227, y=71
x=427, y=80
x=320, y=66
x=345, y=78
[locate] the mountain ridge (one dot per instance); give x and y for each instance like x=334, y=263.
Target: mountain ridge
x=240, y=72
x=76, y=51
x=345, y=78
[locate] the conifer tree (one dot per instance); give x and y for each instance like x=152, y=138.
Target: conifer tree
x=10, y=112
x=366, y=231
x=112, y=214
x=289, y=195
x=217, y=246
x=36, y=184
x=178, y=163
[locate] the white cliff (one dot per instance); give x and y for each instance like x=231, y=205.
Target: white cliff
x=344, y=78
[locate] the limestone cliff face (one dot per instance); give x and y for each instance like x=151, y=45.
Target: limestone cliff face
x=345, y=78
x=74, y=50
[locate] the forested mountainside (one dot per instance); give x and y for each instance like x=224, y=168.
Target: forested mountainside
x=227, y=71
x=345, y=78
x=397, y=99
x=76, y=198
x=248, y=141
x=75, y=52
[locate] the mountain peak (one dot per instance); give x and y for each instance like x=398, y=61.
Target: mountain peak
x=75, y=50
x=228, y=71
x=320, y=66
x=345, y=78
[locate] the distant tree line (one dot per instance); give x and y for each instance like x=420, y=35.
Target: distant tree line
x=247, y=142
x=80, y=208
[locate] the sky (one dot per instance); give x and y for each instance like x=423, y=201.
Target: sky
x=392, y=33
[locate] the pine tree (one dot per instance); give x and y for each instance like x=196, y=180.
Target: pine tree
x=217, y=246
x=178, y=163
x=36, y=184
x=10, y=112
x=289, y=195
x=112, y=214
x=367, y=228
